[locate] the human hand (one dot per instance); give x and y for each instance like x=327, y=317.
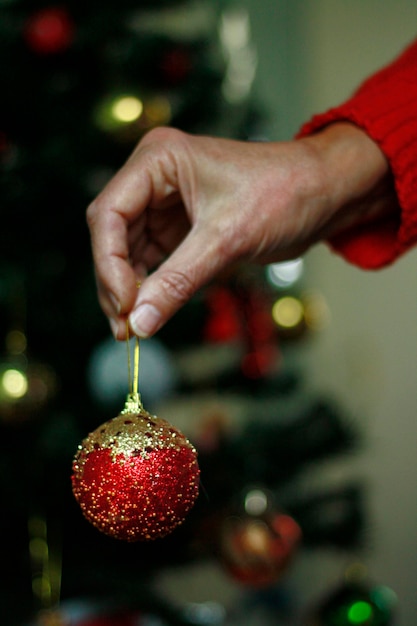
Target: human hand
x=185, y=207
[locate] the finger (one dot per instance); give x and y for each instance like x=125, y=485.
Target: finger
x=117, y=216
x=111, y=307
x=195, y=262
x=110, y=219
x=114, y=274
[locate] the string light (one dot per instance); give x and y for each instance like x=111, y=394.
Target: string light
x=360, y=612
x=118, y=111
x=128, y=113
x=127, y=109
x=288, y=312
x=256, y=502
x=14, y=383
x=286, y=273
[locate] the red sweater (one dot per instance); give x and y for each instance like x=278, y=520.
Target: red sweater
x=385, y=106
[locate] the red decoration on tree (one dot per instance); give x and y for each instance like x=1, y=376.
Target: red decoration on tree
x=257, y=548
x=244, y=315
x=224, y=321
x=49, y=31
x=136, y=477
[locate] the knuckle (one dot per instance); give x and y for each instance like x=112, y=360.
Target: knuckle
x=98, y=209
x=92, y=212
x=162, y=134
x=160, y=141
x=177, y=286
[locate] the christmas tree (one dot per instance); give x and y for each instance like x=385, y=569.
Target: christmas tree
x=82, y=82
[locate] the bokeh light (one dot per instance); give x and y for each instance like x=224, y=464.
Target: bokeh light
x=288, y=312
x=360, y=612
x=256, y=502
x=127, y=109
x=286, y=273
x=14, y=383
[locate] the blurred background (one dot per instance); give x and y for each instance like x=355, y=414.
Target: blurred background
x=295, y=382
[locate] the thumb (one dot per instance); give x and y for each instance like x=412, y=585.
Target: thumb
x=193, y=264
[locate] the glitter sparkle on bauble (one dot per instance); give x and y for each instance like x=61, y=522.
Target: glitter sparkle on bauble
x=135, y=477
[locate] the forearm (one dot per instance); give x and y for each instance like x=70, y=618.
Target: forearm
x=384, y=107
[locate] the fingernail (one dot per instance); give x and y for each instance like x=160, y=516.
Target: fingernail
x=115, y=303
x=145, y=320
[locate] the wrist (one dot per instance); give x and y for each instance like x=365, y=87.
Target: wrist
x=355, y=174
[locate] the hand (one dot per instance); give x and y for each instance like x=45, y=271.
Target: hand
x=185, y=207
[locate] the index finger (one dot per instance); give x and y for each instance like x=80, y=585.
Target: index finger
x=109, y=216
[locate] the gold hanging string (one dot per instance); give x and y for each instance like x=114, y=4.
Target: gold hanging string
x=129, y=360
x=133, y=402
x=135, y=389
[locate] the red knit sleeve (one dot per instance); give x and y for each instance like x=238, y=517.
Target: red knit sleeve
x=385, y=106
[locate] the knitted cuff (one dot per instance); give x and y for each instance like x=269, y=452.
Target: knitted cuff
x=385, y=106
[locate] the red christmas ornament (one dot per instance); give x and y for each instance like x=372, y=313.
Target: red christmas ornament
x=136, y=476
x=49, y=31
x=256, y=549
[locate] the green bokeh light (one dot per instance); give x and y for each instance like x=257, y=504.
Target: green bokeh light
x=360, y=612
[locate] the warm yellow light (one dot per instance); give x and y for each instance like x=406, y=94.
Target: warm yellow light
x=158, y=111
x=288, y=312
x=127, y=109
x=14, y=383
x=256, y=538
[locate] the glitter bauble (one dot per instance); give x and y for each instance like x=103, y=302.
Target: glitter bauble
x=136, y=477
